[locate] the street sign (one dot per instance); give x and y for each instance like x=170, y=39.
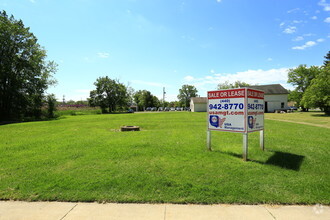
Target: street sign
x=236, y=110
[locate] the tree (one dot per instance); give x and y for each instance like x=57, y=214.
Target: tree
x=236, y=84
x=186, y=93
x=301, y=77
x=130, y=95
x=327, y=59
x=108, y=94
x=317, y=95
x=144, y=99
x=51, y=105
x=24, y=72
x=296, y=97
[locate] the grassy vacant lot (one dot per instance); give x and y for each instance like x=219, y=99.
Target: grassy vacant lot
x=85, y=158
x=313, y=117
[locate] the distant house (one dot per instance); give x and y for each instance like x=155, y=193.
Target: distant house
x=276, y=98
x=198, y=104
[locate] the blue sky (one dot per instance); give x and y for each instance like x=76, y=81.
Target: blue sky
x=151, y=44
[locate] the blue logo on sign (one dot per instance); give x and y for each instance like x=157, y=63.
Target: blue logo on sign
x=251, y=122
x=214, y=120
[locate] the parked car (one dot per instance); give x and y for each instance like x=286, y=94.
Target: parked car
x=166, y=109
x=293, y=108
x=154, y=109
x=178, y=109
x=148, y=109
x=172, y=109
x=130, y=111
x=160, y=109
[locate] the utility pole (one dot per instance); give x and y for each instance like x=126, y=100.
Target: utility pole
x=164, y=98
x=63, y=99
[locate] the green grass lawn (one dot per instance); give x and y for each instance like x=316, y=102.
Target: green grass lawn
x=313, y=117
x=85, y=158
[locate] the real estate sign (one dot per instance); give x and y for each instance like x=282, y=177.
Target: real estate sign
x=255, y=110
x=236, y=110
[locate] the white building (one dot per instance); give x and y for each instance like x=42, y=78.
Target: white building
x=276, y=98
x=198, y=104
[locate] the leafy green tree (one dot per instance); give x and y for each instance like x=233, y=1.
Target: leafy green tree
x=327, y=59
x=109, y=94
x=144, y=99
x=174, y=104
x=236, y=84
x=24, y=72
x=317, y=95
x=186, y=93
x=301, y=77
x=296, y=97
x=51, y=105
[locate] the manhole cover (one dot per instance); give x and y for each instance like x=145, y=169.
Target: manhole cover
x=130, y=128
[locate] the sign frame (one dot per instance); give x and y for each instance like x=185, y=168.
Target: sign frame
x=241, y=108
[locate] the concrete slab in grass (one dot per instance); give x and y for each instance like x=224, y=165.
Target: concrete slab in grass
x=14, y=210
x=116, y=211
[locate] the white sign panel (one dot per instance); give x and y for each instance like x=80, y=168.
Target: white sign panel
x=236, y=110
x=255, y=113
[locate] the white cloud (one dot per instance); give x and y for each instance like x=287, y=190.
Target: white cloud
x=299, y=38
x=270, y=59
x=314, y=17
x=260, y=77
x=306, y=45
x=297, y=21
x=103, y=55
x=282, y=24
x=293, y=10
x=308, y=35
x=32, y=1
x=327, y=20
x=290, y=30
x=212, y=71
x=325, y=5
x=219, y=1
x=320, y=40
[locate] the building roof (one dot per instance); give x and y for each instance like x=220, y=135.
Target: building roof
x=199, y=99
x=271, y=89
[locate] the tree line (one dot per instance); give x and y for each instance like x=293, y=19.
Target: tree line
x=111, y=95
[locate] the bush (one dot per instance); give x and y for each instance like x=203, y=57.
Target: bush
x=51, y=106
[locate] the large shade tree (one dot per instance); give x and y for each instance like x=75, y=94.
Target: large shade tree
x=317, y=95
x=186, y=93
x=24, y=72
x=144, y=99
x=109, y=94
x=301, y=77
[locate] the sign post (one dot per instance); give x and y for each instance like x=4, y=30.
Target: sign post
x=236, y=110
